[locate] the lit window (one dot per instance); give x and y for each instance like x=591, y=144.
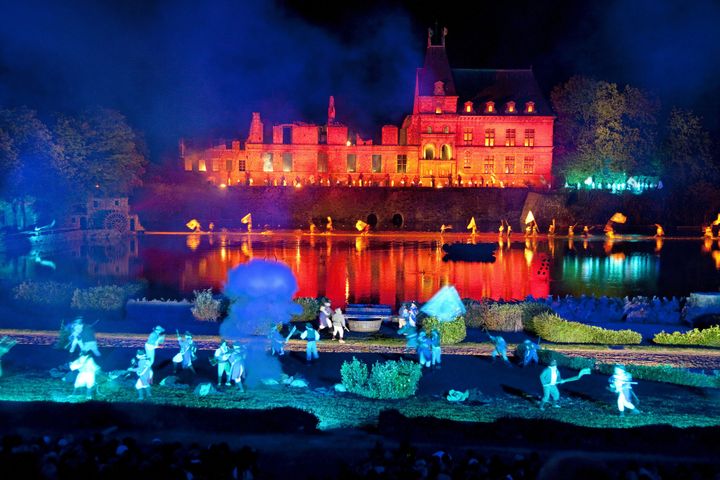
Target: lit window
x=446, y=152
x=490, y=137
x=351, y=163
x=530, y=107
x=490, y=107
x=376, y=163
x=510, y=107
x=401, y=164
x=215, y=164
x=529, y=165
x=228, y=165
x=322, y=162
x=438, y=109
x=446, y=129
x=201, y=166
x=429, y=152
x=188, y=164
x=267, y=158
x=242, y=165
x=468, y=135
x=466, y=161
x=468, y=107
x=510, y=137
x=530, y=137
x=489, y=165
x=429, y=129
x=287, y=162
x=509, y=164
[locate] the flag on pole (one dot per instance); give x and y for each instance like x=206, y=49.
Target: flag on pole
x=471, y=225
x=193, y=225
x=247, y=218
x=360, y=225
x=717, y=220
x=618, y=218
x=529, y=218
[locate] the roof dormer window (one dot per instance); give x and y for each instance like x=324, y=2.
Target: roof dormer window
x=438, y=109
x=468, y=107
x=489, y=107
x=510, y=107
x=530, y=107
x=439, y=88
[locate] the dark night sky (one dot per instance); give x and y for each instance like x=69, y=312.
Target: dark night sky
x=197, y=69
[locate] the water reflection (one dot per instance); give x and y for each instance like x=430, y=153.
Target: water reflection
x=383, y=269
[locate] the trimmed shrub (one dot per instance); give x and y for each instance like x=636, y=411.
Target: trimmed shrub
x=205, y=307
x=506, y=317
x=451, y=332
x=552, y=328
x=388, y=380
x=48, y=293
x=475, y=312
x=354, y=375
x=109, y=297
x=310, y=308
x=533, y=309
x=709, y=337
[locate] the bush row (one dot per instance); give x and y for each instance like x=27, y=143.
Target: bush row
x=108, y=297
x=552, y=328
x=709, y=337
x=450, y=332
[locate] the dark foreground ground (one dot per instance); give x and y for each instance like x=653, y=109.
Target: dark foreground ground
x=316, y=432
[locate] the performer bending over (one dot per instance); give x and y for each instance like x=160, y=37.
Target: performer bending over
x=339, y=326
x=187, y=353
x=500, y=348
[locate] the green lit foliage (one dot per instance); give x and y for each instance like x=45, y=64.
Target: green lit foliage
x=603, y=131
x=205, y=306
x=98, y=147
x=475, y=312
x=354, y=375
x=451, y=332
x=656, y=373
x=552, y=328
x=48, y=293
x=310, y=307
x=504, y=317
x=109, y=297
x=709, y=337
x=387, y=380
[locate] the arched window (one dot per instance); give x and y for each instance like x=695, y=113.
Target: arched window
x=446, y=129
x=429, y=152
x=530, y=107
x=489, y=107
x=446, y=152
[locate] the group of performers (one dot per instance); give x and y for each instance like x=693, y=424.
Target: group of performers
x=230, y=359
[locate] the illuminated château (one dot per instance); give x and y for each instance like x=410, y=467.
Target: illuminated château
x=468, y=127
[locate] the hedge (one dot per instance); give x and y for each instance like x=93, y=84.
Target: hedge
x=709, y=337
x=310, y=306
x=451, y=332
x=387, y=380
x=552, y=328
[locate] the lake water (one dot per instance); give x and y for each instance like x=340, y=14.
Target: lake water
x=383, y=268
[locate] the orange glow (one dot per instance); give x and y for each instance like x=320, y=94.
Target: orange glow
x=222, y=185
x=367, y=269
x=202, y=167
x=438, y=110
x=490, y=107
x=468, y=108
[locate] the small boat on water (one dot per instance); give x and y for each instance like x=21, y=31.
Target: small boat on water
x=470, y=252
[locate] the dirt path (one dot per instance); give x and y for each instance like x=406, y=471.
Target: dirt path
x=699, y=358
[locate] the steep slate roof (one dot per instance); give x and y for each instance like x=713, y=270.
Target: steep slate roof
x=500, y=86
x=436, y=68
